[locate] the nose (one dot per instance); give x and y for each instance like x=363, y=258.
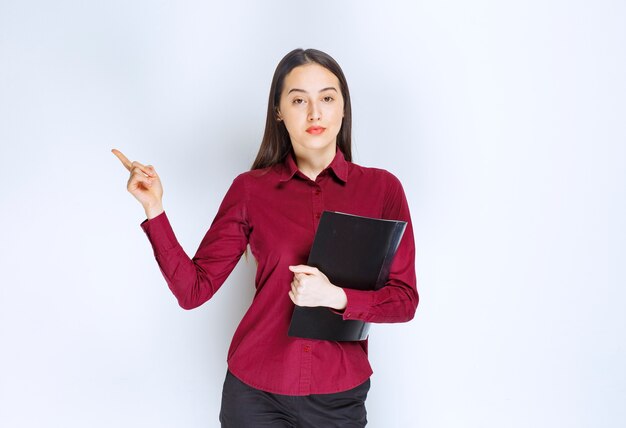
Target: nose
x=314, y=113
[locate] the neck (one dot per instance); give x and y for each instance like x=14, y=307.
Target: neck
x=311, y=164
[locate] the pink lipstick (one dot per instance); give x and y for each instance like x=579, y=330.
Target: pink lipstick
x=315, y=130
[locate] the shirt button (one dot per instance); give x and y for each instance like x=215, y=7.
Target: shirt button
x=317, y=191
x=306, y=348
x=317, y=215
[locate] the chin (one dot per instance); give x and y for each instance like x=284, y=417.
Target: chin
x=313, y=148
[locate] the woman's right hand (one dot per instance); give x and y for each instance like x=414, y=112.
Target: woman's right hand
x=144, y=184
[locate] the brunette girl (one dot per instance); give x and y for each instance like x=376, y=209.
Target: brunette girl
x=304, y=166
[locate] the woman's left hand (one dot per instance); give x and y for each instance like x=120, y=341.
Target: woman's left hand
x=310, y=287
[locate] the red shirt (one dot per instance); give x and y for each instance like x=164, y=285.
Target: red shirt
x=276, y=211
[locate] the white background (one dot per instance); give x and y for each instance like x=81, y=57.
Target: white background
x=504, y=120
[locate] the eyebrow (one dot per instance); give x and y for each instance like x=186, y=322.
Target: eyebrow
x=305, y=92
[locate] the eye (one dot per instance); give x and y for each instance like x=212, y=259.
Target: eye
x=297, y=101
x=328, y=99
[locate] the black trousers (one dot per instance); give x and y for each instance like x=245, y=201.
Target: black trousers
x=247, y=407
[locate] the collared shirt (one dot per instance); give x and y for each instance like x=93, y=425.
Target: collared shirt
x=276, y=211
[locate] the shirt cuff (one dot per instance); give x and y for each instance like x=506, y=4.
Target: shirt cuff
x=359, y=304
x=160, y=234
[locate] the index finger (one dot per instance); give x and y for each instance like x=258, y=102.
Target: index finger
x=123, y=159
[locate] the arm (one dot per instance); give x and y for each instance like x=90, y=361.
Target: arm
x=194, y=281
x=395, y=302
x=398, y=299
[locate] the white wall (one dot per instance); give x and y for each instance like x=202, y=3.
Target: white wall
x=504, y=120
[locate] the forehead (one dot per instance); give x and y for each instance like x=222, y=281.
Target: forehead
x=311, y=78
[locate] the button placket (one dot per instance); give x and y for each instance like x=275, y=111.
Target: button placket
x=305, y=368
x=318, y=203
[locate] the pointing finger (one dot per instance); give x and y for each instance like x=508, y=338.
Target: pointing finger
x=128, y=164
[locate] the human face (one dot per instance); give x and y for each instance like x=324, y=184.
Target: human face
x=311, y=105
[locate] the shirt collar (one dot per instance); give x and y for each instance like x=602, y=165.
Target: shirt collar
x=339, y=167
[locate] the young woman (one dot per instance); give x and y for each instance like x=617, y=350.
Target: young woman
x=303, y=168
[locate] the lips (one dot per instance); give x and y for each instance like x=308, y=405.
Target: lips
x=315, y=130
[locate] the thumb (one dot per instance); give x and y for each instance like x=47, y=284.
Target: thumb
x=309, y=270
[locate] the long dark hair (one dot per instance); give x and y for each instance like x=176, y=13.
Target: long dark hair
x=276, y=144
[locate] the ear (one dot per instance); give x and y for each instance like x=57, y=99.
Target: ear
x=277, y=113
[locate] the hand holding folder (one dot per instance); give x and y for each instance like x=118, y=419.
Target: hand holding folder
x=353, y=252
x=310, y=287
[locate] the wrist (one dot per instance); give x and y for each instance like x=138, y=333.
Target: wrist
x=153, y=210
x=341, y=300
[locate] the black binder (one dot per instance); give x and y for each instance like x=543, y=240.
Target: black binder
x=353, y=252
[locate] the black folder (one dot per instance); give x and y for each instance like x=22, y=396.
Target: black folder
x=353, y=252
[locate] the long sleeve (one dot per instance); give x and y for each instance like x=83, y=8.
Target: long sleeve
x=397, y=301
x=276, y=212
x=194, y=281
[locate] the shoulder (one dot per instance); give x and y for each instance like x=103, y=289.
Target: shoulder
x=256, y=180
x=379, y=175
x=389, y=189
x=256, y=175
